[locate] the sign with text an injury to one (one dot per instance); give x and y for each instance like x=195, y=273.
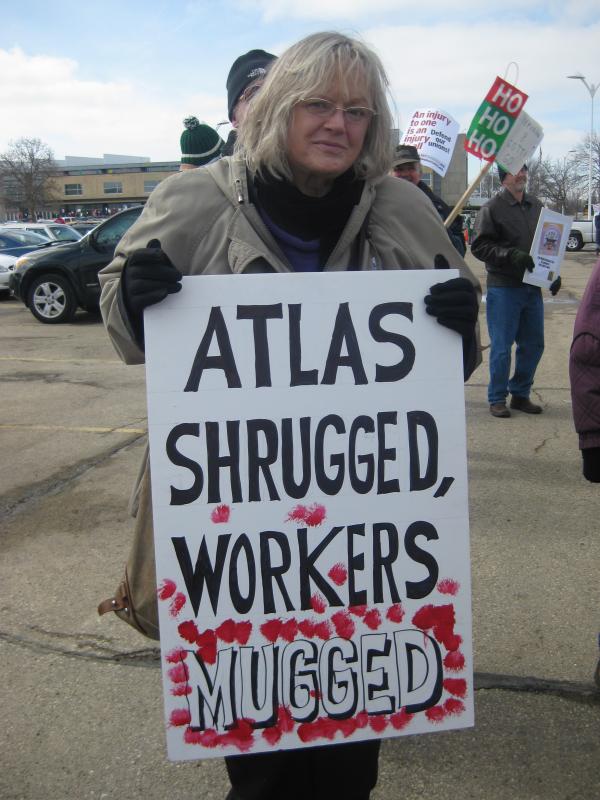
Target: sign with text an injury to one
x=309, y=488
x=494, y=119
x=433, y=132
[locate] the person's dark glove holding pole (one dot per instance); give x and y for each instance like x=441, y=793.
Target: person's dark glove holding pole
x=454, y=304
x=148, y=277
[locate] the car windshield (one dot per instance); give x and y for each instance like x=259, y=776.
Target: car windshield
x=15, y=238
x=63, y=234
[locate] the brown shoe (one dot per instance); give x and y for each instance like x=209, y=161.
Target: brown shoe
x=525, y=404
x=499, y=410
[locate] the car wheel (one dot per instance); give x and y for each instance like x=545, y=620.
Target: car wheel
x=574, y=242
x=51, y=299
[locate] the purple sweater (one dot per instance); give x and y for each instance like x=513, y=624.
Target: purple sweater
x=303, y=255
x=584, y=365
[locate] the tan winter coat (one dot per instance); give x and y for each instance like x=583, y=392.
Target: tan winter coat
x=206, y=224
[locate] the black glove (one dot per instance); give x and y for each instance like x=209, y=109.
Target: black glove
x=454, y=304
x=555, y=286
x=591, y=464
x=521, y=260
x=148, y=277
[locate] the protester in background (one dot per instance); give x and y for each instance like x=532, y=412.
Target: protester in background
x=306, y=192
x=504, y=231
x=246, y=76
x=407, y=165
x=584, y=373
x=597, y=236
x=200, y=144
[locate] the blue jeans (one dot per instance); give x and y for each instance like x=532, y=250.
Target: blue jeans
x=514, y=315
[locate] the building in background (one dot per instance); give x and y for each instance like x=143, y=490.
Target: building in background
x=98, y=187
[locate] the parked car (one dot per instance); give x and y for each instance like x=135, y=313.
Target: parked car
x=55, y=283
x=49, y=230
x=582, y=232
x=17, y=243
x=7, y=264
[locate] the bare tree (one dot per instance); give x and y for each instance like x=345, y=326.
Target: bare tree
x=581, y=157
x=560, y=184
x=26, y=172
x=535, y=176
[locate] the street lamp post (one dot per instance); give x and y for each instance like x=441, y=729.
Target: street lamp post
x=592, y=90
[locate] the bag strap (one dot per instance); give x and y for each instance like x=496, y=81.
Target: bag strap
x=120, y=601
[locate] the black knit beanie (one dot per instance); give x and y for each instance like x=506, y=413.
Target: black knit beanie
x=502, y=173
x=244, y=70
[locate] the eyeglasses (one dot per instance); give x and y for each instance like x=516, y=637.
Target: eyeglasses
x=353, y=115
x=249, y=93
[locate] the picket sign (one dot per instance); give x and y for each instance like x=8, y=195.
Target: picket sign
x=489, y=130
x=433, y=132
x=309, y=489
x=494, y=119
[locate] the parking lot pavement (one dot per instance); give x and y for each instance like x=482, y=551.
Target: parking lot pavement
x=65, y=396
x=81, y=698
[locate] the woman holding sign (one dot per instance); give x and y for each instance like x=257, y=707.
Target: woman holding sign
x=306, y=191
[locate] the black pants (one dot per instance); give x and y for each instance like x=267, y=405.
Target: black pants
x=335, y=772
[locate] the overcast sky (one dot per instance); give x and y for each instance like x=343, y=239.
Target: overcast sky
x=119, y=77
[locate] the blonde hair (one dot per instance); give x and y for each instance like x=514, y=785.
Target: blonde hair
x=307, y=69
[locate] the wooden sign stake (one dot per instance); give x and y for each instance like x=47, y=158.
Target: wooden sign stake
x=469, y=191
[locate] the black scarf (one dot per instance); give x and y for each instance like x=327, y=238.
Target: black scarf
x=310, y=218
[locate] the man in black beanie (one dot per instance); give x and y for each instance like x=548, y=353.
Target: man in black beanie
x=504, y=231
x=245, y=78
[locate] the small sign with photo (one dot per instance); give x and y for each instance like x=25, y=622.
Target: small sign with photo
x=548, y=248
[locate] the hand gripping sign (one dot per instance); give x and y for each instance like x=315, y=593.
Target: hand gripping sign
x=309, y=489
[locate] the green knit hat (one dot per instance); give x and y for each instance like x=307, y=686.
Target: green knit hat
x=200, y=144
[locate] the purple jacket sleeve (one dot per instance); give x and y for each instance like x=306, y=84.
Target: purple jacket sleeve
x=584, y=365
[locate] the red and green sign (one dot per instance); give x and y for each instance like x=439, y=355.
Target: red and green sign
x=494, y=119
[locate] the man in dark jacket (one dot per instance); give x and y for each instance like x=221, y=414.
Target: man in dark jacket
x=407, y=165
x=245, y=78
x=504, y=231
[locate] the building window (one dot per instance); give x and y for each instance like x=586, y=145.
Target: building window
x=426, y=178
x=149, y=185
x=171, y=167
x=113, y=187
x=116, y=170
x=73, y=188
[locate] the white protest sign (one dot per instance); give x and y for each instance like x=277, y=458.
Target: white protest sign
x=548, y=248
x=521, y=143
x=309, y=487
x=434, y=134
